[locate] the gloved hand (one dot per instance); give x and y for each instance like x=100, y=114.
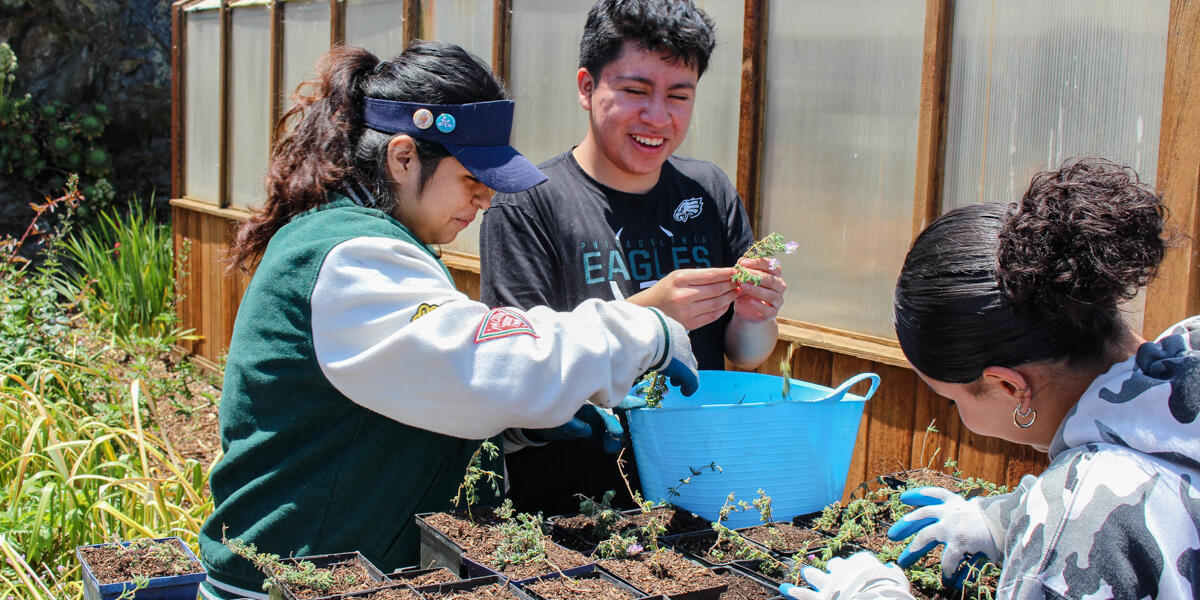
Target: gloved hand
x=945, y=517
x=590, y=421
x=860, y=577
x=680, y=363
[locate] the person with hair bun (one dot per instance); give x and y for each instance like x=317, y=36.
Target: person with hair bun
x=359, y=380
x=1013, y=312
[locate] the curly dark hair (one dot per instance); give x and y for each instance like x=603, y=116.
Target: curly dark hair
x=324, y=145
x=1041, y=279
x=676, y=28
x=1082, y=239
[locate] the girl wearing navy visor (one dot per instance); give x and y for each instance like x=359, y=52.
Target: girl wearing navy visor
x=359, y=380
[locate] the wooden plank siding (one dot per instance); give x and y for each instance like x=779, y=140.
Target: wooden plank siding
x=210, y=294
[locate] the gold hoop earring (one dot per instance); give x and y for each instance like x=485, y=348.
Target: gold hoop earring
x=1030, y=413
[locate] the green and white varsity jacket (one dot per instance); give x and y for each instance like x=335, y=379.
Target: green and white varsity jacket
x=359, y=381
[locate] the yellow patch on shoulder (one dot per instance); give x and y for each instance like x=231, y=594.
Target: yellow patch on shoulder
x=423, y=310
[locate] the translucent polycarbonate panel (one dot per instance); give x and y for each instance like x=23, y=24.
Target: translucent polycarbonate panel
x=202, y=106
x=713, y=133
x=843, y=92
x=377, y=25
x=467, y=23
x=1033, y=83
x=544, y=59
x=250, y=110
x=305, y=38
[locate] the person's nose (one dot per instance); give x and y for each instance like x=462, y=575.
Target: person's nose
x=655, y=112
x=483, y=197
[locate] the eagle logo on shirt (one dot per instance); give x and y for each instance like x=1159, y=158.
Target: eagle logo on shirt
x=688, y=208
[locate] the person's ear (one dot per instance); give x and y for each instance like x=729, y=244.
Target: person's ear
x=402, y=162
x=1008, y=382
x=586, y=85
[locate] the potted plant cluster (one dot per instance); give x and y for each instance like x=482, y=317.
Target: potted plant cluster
x=163, y=568
x=655, y=551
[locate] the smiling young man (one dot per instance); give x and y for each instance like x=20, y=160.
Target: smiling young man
x=621, y=217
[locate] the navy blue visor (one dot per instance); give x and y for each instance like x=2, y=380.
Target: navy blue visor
x=477, y=134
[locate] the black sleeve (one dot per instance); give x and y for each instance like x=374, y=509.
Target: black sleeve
x=737, y=223
x=517, y=261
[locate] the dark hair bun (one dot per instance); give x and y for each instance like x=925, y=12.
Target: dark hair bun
x=1082, y=239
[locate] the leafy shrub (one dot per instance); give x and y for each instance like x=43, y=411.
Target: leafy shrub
x=40, y=143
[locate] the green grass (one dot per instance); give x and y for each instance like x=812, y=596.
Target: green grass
x=126, y=273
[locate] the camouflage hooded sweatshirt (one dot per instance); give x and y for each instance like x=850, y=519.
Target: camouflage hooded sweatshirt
x=1117, y=512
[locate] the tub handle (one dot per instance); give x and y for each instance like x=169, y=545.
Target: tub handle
x=841, y=390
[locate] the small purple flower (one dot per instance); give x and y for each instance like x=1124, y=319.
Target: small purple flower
x=774, y=263
x=634, y=549
x=790, y=247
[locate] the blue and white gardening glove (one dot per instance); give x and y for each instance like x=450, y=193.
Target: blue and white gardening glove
x=677, y=361
x=945, y=518
x=590, y=421
x=860, y=577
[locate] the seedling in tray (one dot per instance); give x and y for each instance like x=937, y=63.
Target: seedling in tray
x=467, y=491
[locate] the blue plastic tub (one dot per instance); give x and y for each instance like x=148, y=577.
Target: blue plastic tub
x=797, y=449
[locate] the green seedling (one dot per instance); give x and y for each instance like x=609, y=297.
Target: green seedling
x=522, y=538
x=295, y=574
x=467, y=492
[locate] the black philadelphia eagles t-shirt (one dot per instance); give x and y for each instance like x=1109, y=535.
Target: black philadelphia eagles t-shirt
x=571, y=239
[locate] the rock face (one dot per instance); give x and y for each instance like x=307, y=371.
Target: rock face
x=81, y=52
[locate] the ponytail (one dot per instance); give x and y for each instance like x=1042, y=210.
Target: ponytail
x=324, y=145
x=316, y=154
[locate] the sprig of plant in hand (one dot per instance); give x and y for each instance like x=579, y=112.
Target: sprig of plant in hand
x=767, y=247
x=475, y=472
x=654, y=386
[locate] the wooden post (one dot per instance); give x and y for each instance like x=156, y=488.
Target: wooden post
x=337, y=22
x=753, y=107
x=1175, y=293
x=412, y=21
x=178, y=109
x=223, y=111
x=501, y=38
x=275, y=86
x=931, y=121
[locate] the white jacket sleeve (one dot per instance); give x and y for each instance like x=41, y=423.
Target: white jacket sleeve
x=392, y=334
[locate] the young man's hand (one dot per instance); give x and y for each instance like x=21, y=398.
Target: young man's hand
x=694, y=297
x=758, y=303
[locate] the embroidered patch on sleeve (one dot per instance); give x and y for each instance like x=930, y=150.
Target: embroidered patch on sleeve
x=503, y=322
x=423, y=310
